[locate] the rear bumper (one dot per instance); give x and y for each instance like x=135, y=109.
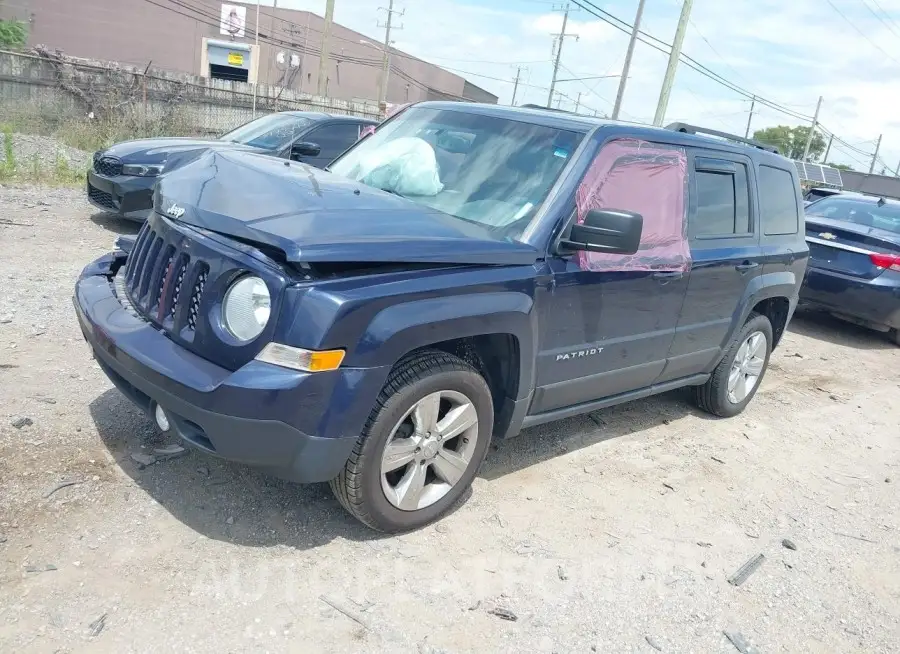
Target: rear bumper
x=298, y=426
x=128, y=197
x=875, y=301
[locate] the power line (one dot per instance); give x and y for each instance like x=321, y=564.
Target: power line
x=693, y=64
x=886, y=15
x=883, y=21
x=199, y=14
x=860, y=32
x=689, y=61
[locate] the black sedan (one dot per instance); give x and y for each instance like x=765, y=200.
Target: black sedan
x=122, y=177
x=854, y=260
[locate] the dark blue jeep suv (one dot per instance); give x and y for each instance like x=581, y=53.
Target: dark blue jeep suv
x=462, y=273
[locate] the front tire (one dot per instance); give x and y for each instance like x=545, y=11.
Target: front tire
x=422, y=446
x=736, y=379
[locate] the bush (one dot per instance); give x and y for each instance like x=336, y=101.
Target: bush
x=13, y=35
x=8, y=167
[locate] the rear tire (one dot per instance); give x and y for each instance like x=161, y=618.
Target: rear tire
x=739, y=374
x=422, y=446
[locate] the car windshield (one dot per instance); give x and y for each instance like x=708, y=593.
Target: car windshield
x=492, y=171
x=867, y=214
x=272, y=132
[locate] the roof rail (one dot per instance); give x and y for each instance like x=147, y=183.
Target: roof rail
x=540, y=106
x=693, y=129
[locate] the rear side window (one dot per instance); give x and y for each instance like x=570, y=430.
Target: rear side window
x=778, y=201
x=723, y=199
x=333, y=139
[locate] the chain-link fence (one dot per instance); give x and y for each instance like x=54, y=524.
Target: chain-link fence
x=94, y=103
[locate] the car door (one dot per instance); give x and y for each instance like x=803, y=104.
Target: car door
x=332, y=139
x=723, y=229
x=606, y=329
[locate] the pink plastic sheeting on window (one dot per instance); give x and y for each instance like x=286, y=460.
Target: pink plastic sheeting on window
x=649, y=179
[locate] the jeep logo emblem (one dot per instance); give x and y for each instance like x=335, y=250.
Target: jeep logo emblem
x=175, y=211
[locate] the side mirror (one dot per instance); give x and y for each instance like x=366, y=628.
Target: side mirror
x=305, y=149
x=607, y=230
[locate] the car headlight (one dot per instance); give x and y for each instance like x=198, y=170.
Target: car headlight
x=143, y=170
x=246, y=308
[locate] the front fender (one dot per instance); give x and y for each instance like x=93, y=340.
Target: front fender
x=402, y=328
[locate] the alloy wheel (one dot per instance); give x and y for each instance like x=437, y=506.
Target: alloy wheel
x=429, y=450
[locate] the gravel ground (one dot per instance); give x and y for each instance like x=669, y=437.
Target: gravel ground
x=28, y=148
x=614, y=532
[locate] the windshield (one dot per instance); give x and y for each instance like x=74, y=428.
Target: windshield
x=487, y=170
x=272, y=132
x=867, y=214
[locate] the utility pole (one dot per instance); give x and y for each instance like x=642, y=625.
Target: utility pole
x=323, y=56
x=578, y=102
x=558, y=100
x=516, y=85
x=627, y=65
x=386, y=54
x=256, y=55
x=812, y=130
x=750, y=117
x=674, y=56
x=560, y=38
x=828, y=149
x=875, y=156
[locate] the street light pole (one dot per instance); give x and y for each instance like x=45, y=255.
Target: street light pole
x=875, y=156
x=750, y=117
x=386, y=55
x=256, y=63
x=516, y=86
x=559, y=47
x=627, y=65
x=674, y=56
x=812, y=130
x=323, y=56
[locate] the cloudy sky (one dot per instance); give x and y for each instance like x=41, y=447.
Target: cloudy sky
x=787, y=51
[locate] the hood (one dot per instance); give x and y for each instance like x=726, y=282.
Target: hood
x=314, y=216
x=160, y=149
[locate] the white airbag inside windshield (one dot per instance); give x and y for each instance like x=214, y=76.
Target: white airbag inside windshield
x=406, y=166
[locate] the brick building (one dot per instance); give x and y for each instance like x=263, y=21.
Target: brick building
x=213, y=38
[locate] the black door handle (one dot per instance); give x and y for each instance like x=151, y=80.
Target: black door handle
x=744, y=267
x=666, y=277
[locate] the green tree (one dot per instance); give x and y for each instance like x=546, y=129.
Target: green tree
x=13, y=35
x=791, y=141
x=840, y=166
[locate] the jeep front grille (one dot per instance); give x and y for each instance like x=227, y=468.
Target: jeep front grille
x=156, y=276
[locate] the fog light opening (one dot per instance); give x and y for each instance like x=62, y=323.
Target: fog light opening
x=162, y=420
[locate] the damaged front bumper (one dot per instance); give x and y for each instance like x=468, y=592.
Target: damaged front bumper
x=260, y=414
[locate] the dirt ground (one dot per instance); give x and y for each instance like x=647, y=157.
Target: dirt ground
x=614, y=532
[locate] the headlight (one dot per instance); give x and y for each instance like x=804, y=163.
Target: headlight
x=143, y=170
x=246, y=308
